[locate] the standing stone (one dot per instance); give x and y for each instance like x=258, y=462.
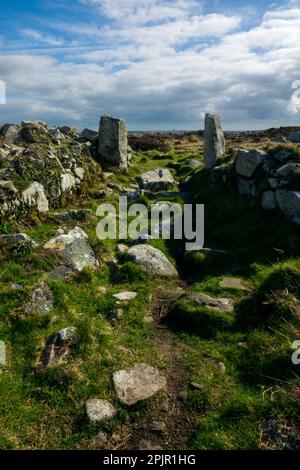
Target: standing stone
x=112, y=149
x=214, y=141
x=2, y=353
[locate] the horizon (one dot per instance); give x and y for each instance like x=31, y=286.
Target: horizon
x=159, y=65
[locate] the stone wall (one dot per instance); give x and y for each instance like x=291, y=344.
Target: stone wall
x=41, y=166
x=272, y=177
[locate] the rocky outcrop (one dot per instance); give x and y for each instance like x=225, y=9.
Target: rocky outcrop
x=112, y=142
x=40, y=167
x=214, y=141
x=138, y=383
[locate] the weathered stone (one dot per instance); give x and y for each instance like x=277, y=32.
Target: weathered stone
x=79, y=173
x=276, y=183
x=197, y=386
x=10, y=133
x=81, y=215
x=2, y=353
x=158, y=426
x=35, y=197
x=56, y=348
x=7, y=190
x=75, y=248
x=89, y=135
x=146, y=444
x=41, y=300
x=289, y=203
x=288, y=170
x=16, y=238
x=214, y=141
x=157, y=180
x=60, y=273
x=125, y=296
x=294, y=137
x=268, y=200
x=247, y=187
x=101, y=439
x=68, y=182
x=213, y=303
x=138, y=383
x=99, y=410
x=248, y=161
x=112, y=147
x=152, y=259
x=232, y=283
x=194, y=163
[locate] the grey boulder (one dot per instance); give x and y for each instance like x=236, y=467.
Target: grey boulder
x=152, y=260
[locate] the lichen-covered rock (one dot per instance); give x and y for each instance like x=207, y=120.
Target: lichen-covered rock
x=157, y=180
x=213, y=303
x=99, y=410
x=80, y=215
x=7, y=190
x=35, y=197
x=289, y=204
x=248, y=161
x=41, y=300
x=214, y=141
x=152, y=260
x=10, y=133
x=138, y=383
x=68, y=182
x=112, y=146
x=75, y=249
x=17, y=238
x=56, y=348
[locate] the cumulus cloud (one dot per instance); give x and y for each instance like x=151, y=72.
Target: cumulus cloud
x=159, y=64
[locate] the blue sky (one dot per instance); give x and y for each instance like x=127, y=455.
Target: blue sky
x=160, y=64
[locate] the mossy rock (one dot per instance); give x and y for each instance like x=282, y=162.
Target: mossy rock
x=205, y=322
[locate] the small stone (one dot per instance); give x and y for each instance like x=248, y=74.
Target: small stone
x=232, y=283
x=146, y=444
x=101, y=439
x=16, y=238
x=213, y=303
x=197, y=386
x=138, y=383
x=221, y=367
x=183, y=396
x=164, y=406
x=122, y=248
x=158, y=426
x=99, y=410
x=115, y=315
x=125, y=296
x=16, y=286
x=242, y=344
x=41, y=300
x=60, y=273
x=152, y=260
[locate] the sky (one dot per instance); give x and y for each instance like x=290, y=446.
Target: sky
x=159, y=64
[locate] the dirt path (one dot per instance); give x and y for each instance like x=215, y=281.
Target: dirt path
x=168, y=412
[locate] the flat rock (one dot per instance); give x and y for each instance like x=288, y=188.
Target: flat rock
x=157, y=180
x=125, y=296
x=152, y=260
x=232, y=283
x=16, y=238
x=138, y=383
x=60, y=273
x=99, y=410
x=78, y=215
x=213, y=303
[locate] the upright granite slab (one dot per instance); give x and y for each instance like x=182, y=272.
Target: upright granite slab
x=214, y=141
x=113, y=142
